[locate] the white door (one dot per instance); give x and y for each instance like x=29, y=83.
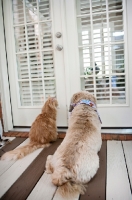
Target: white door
x=98, y=36
x=35, y=58
x=101, y=53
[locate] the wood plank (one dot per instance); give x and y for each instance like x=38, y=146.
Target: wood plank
x=12, y=145
x=44, y=189
x=99, y=180
x=127, y=145
x=14, y=172
x=118, y=187
x=26, y=182
x=5, y=165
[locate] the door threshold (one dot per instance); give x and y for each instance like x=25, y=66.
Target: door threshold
x=105, y=131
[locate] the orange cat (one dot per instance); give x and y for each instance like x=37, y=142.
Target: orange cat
x=42, y=132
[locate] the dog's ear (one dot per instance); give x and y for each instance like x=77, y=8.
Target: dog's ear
x=71, y=108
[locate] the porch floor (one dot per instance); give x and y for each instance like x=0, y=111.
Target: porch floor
x=26, y=178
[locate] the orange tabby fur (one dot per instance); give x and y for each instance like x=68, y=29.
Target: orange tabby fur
x=42, y=132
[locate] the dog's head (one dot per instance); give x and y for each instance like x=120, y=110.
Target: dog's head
x=79, y=96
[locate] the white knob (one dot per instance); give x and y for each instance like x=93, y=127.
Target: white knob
x=58, y=34
x=59, y=47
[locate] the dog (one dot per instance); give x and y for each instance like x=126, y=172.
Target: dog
x=42, y=132
x=76, y=160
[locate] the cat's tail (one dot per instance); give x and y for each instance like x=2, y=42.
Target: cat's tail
x=70, y=190
x=20, y=152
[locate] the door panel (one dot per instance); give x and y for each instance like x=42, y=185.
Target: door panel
x=100, y=33
x=36, y=67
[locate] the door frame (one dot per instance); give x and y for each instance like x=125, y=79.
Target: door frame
x=71, y=62
x=5, y=93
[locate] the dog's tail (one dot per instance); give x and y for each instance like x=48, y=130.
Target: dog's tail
x=71, y=189
x=20, y=152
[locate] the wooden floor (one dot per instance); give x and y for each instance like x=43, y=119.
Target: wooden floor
x=26, y=178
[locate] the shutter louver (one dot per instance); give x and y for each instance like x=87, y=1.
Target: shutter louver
x=101, y=49
x=50, y=89
x=37, y=92
x=22, y=64
x=32, y=37
x=25, y=96
x=35, y=65
x=46, y=37
x=34, y=52
x=20, y=39
x=18, y=14
x=44, y=9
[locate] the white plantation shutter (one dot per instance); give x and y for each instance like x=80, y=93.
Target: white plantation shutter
x=34, y=52
x=102, y=49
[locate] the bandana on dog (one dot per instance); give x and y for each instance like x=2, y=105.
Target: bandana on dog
x=87, y=102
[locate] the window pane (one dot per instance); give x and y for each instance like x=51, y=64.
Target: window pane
x=86, y=61
x=116, y=27
x=118, y=89
x=98, y=6
x=102, y=49
x=102, y=89
x=34, y=51
x=115, y=4
x=88, y=84
x=99, y=28
x=18, y=12
x=84, y=31
x=101, y=59
x=83, y=7
x=25, y=95
x=117, y=58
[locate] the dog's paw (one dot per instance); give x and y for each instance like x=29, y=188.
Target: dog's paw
x=61, y=176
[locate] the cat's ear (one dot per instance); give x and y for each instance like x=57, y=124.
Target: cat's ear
x=54, y=101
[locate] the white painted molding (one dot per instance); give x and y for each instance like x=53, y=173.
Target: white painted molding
x=5, y=97
x=1, y=129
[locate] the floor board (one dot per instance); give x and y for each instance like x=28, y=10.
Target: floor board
x=14, y=172
x=4, y=166
x=118, y=187
x=26, y=182
x=44, y=189
x=26, y=178
x=128, y=155
x=97, y=186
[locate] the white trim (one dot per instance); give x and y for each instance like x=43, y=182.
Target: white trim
x=128, y=18
x=104, y=130
x=72, y=40
x=40, y=48
x=27, y=46
x=127, y=88
x=92, y=42
x=66, y=57
x=5, y=96
x=108, y=43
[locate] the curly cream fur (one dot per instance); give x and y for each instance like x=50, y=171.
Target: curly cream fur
x=76, y=160
x=42, y=132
